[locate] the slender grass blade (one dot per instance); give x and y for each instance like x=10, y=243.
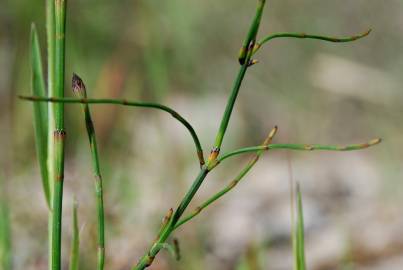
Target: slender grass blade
x=40, y=112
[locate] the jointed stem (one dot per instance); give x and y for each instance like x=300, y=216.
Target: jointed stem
x=232, y=184
x=50, y=37
x=308, y=36
x=98, y=187
x=80, y=90
x=148, y=258
x=244, y=58
x=301, y=147
x=56, y=20
x=124, y=102
x=59, y=133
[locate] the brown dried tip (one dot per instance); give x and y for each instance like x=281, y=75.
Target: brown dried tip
x=78, y=86
x=168, y=216
x=375, y=141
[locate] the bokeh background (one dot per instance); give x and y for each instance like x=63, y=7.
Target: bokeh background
x=183, y=53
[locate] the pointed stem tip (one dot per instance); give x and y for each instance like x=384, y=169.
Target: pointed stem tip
x=78, y=86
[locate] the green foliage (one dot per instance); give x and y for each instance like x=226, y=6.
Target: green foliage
x=5, y=236
x=40, y=112
x=299, y=249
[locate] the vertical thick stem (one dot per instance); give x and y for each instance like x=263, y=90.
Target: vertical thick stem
x=59, y=137
x=50, y=31
x=59, y=133
x=60, y=20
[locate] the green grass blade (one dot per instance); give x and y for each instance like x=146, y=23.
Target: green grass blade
x=300, y=241
x=40, y=112
x=5, y=236
x=75, y=243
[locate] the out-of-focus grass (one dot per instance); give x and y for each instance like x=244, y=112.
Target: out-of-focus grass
x=5, y=231
x=298, y=237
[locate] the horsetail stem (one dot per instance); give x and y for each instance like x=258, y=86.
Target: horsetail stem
x=260, y=43
x=80, y=91
x=124, y=102
x=301, y=147
x=59, y=133
x=232, y=184
x=56, y=10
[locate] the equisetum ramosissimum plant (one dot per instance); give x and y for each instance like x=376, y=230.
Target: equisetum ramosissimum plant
x=50, y=136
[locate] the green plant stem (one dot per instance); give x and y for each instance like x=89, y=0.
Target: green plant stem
x=230, y=105
x=308, y=36
x=231, y=185
x=166, y=231
x=124, y=102
x=301, y=147
x=50, y=34
x=148, y=258
x=98, y=186
x=59, y=138
x=245, y=60
x=59, y=133
x=253, y=30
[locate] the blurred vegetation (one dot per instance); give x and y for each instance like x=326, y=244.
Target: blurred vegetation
x=183, y=54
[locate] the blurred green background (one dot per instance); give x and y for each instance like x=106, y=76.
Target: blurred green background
x=183, y=54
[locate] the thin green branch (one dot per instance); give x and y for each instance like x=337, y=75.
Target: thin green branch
x=80, y=90
x=260, y=43
x=301, y=147
x=124, y=102
x=233, y=183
